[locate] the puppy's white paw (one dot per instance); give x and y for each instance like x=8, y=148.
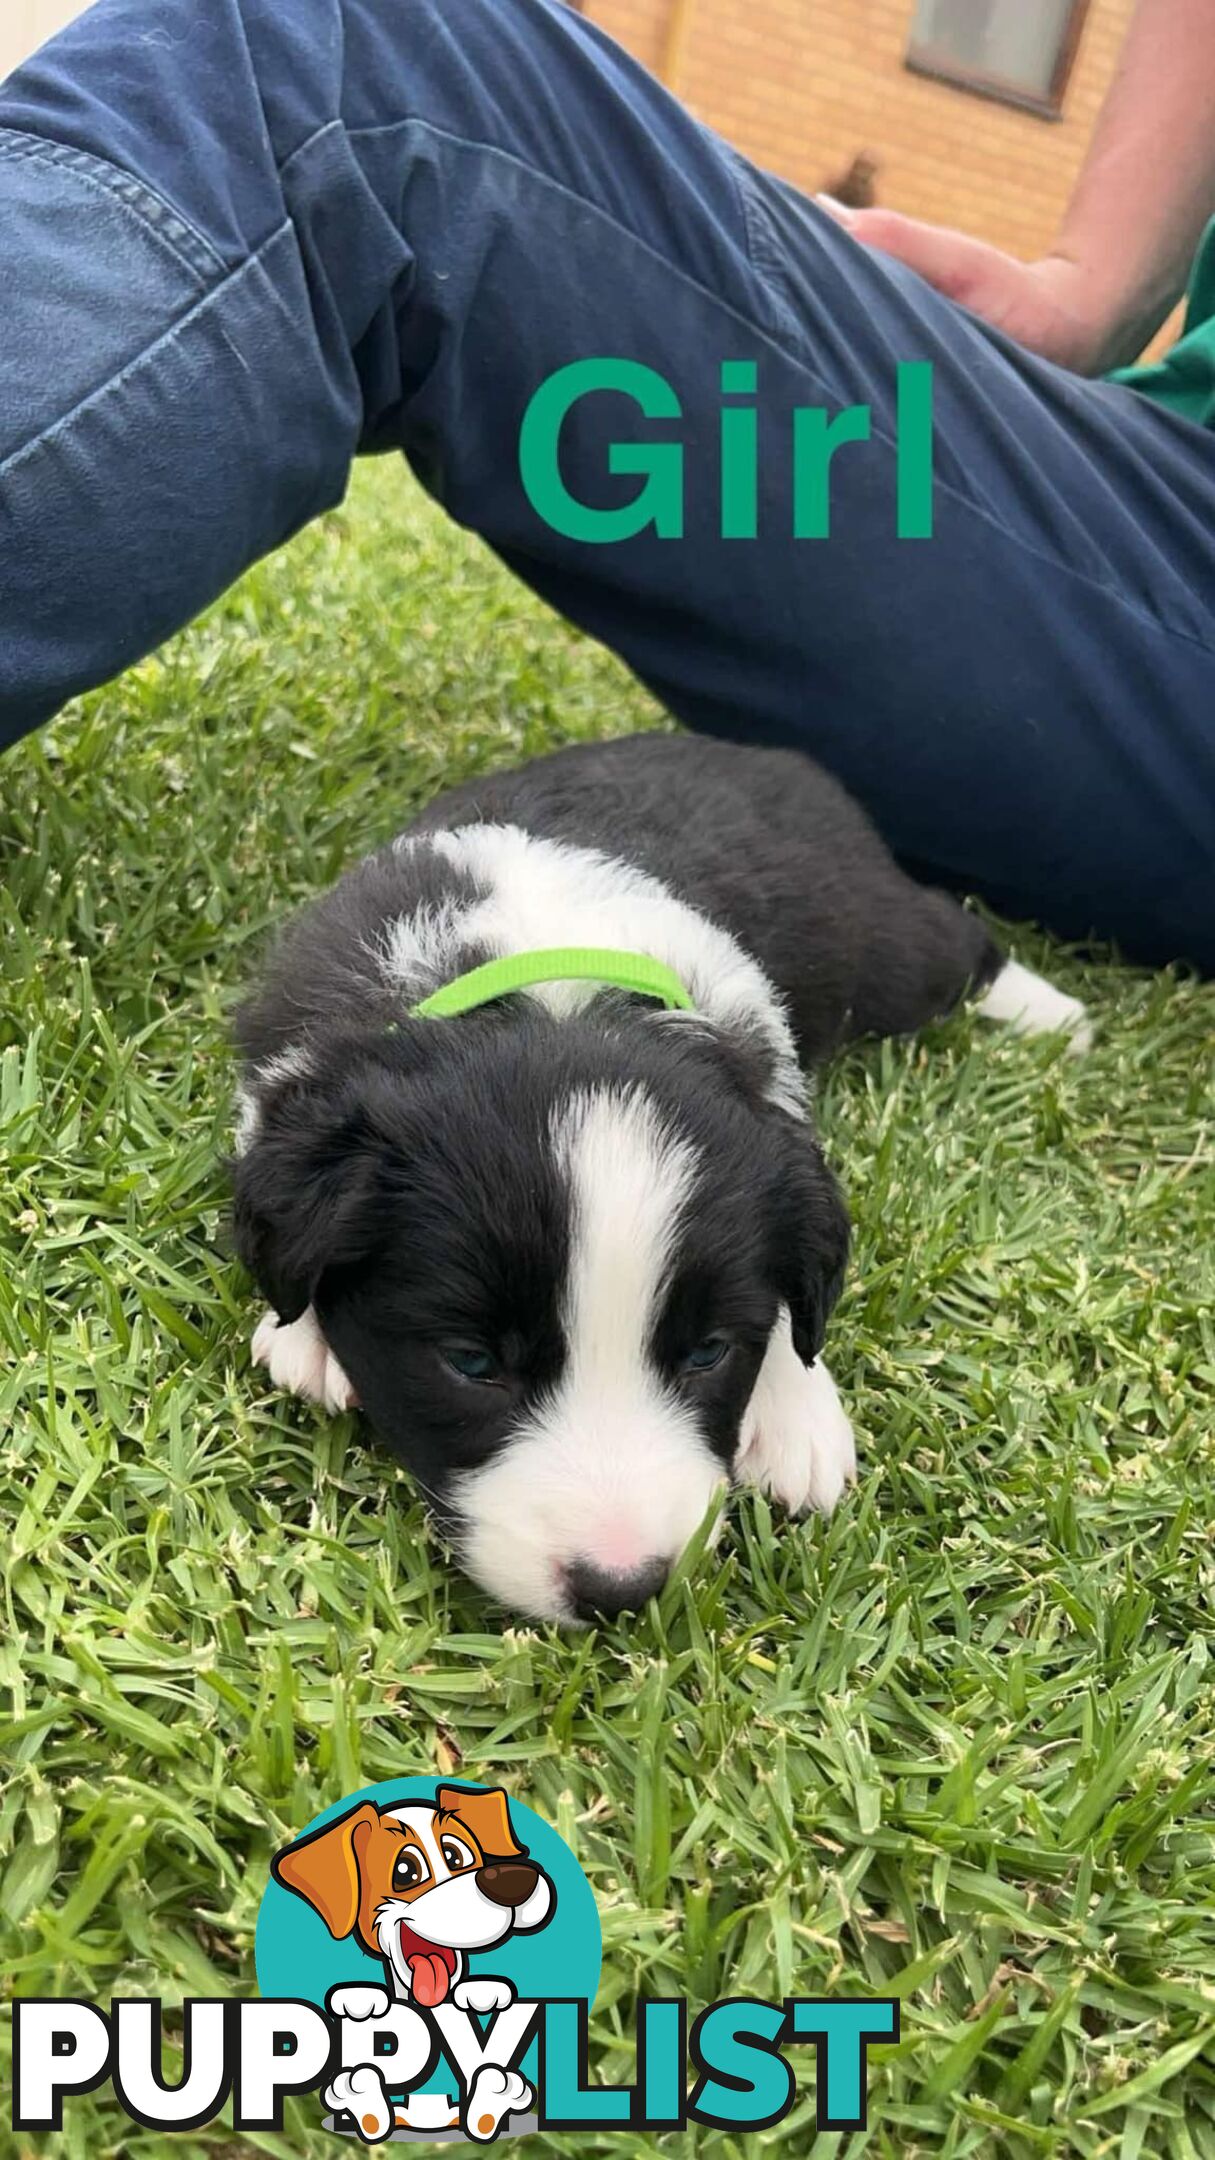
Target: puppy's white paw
x=483, y=1995
x=298, y=1359
x=358, y=2002
x=1030, y=1005
x=493, y=2095
x=796, y=1440
x=360, y=2092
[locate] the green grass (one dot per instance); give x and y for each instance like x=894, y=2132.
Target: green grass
x=955, y=1745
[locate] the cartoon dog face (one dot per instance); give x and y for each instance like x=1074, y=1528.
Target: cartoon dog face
x=422, y=1884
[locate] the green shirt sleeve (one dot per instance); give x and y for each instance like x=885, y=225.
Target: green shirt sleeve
x=1184, y=378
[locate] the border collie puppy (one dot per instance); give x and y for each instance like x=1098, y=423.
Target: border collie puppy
x=574, y=1252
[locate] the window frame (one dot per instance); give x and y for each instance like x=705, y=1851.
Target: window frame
x=937, y=66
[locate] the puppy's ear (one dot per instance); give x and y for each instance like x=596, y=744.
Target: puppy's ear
x=307, y=1196
x=324, y=1869
x=487, y=1815
x=810, y=1234
x=810, y=1229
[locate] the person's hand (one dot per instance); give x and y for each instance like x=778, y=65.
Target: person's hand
x=1051, y=306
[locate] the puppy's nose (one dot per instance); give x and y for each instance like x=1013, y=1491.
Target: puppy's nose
x=508, y=1882
x=604, y=1592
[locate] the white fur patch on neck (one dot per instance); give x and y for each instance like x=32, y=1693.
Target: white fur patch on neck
x=418, y=948
x=290, y=1064
x=612, y=1469
x=536, y=893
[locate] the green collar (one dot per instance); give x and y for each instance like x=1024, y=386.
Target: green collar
x=573, y=963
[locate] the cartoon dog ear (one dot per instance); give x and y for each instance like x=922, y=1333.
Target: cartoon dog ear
x=811, y=1235
x=487, y=1816
x=324, y=1869
x=306, y=1197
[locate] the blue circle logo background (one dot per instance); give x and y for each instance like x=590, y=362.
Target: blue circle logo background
x=295, y=1955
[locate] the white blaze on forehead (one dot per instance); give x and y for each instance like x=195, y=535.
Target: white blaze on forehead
x=629, y=1182
x=420, y=1818
x=612, y=1468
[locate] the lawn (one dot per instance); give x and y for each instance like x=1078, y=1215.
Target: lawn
x=955, y=1745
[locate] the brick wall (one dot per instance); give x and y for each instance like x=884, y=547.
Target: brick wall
x=802, y=85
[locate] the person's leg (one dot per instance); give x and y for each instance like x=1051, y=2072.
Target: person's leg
x=387, y=222
x=177, y=388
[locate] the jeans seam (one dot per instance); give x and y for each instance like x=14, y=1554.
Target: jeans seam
x=157, y=219
x=758, y=253
x=201, y=305
x=1057, y=565
x=326, y=127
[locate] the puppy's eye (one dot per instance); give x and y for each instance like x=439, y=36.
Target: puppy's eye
x=456, y=1854
x=471, y=1362
x=706, y=1354
x=409, y=1869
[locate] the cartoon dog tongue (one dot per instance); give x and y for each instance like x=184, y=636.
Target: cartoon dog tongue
x=431, y=1967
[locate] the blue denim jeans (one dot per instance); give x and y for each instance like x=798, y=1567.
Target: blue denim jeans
x=243, y=240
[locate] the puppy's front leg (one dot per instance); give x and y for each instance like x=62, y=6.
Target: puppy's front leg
x=493, y=2095
x=796, y=1441
x=361, y=2092
x=299, y=1359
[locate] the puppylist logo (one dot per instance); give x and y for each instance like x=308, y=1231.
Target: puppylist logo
x=427, y=1955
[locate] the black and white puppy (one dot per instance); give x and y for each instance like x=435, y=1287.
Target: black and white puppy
x=574, y=1254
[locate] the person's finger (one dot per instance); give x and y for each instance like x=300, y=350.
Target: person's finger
x=947, y=259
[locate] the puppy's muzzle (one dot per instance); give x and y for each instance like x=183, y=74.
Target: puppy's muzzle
x=507, y=1882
